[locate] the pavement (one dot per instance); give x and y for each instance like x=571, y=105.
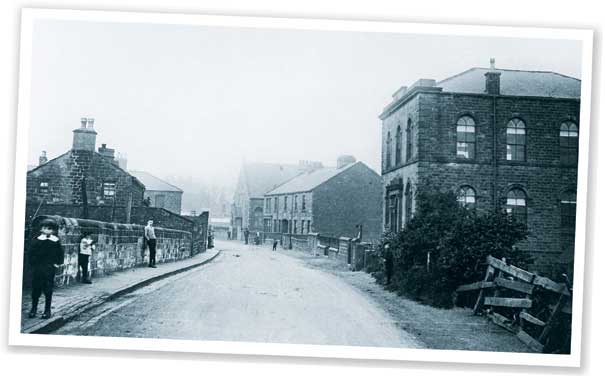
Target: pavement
x=248, y=293
x=71, y=301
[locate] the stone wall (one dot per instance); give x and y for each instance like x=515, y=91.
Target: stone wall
x=119, y=247
x=541, y=176
x=352, y=197
x=290, y=214
x=64, y=174
x=172, y=199
x=138, y=215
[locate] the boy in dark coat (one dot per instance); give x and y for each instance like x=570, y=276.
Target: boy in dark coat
x=45, y=255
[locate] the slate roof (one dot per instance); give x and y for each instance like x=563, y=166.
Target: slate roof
x=262, y=177
x=515, y=83
x=153, y=183
x=308, y=181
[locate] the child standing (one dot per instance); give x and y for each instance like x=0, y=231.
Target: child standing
x=46, y=254
x=86, y=248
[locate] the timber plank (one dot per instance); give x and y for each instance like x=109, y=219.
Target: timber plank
x=508, y=302
x=511, y=270
x=531, y=319
x=529, y=341
x=550, y=285
x=518, y=286
x=489, y=276
x=475, y=286
x=502, y=321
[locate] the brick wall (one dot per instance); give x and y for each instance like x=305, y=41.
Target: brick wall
x=119, y=247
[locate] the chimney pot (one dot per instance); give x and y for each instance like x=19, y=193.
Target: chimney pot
x=42, y=159
x=91, y=123
x=492, y=63
x=84, y=138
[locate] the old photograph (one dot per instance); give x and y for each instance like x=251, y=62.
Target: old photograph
x=300, y=187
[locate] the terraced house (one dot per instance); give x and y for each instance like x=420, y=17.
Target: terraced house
x=331, y=201
x=503, y=139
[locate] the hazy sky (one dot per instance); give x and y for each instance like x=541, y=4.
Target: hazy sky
x=196, y=101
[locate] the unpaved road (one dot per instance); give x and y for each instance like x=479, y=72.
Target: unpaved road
x=249, y=294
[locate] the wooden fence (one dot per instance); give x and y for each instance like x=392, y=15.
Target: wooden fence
x=535, y=308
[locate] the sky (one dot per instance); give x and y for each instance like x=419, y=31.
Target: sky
x=197, y=101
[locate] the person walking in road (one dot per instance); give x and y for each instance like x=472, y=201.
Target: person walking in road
x=274, y=245
x=45, y=256
x=86, y=248
x=246, y=235
x=151, y=242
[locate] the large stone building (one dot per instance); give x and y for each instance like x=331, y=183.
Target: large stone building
x=255, y=180
x=160, y=193
x=503, y=139
x=331, y=201
x=83, y=175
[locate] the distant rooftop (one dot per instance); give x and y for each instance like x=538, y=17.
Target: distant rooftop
x=153, y=183
x=262, y=177
x=308, y=181
x=515, y=83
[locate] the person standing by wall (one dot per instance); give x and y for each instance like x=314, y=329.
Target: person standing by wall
x=46, y=255
x=151, y=242
x=86, y=248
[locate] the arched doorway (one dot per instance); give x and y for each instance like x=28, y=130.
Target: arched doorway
x=284, y=226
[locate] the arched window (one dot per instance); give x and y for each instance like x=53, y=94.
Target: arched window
x=408, y=141
x=568, y=139
x=398, y=146
x=467, y=196
x=465, y=143
x=516, y=204
x=568, y=210
x=388, y=155
x=408, y=202
x=515, y=140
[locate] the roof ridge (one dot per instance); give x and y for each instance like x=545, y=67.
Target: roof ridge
x=506, y=70
x=335, y=172
x=158, y=178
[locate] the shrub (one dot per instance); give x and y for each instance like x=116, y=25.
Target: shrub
x=445, y=245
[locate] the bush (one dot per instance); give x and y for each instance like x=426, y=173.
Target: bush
x=445, y=245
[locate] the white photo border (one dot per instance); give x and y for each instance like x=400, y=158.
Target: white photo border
x=16, y=338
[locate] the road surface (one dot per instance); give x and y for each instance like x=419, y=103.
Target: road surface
x=248, y=293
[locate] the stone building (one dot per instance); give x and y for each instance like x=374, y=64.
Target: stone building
x=331, y=201
x=83, y=175
x=161, y=194
x=503, y=139
x=255, y=180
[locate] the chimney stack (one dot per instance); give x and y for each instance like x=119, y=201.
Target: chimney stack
x=108, y=153
x=344, y=160
x=42, y=159
x=492, y=79
x=122, y=161
x=85, y=137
